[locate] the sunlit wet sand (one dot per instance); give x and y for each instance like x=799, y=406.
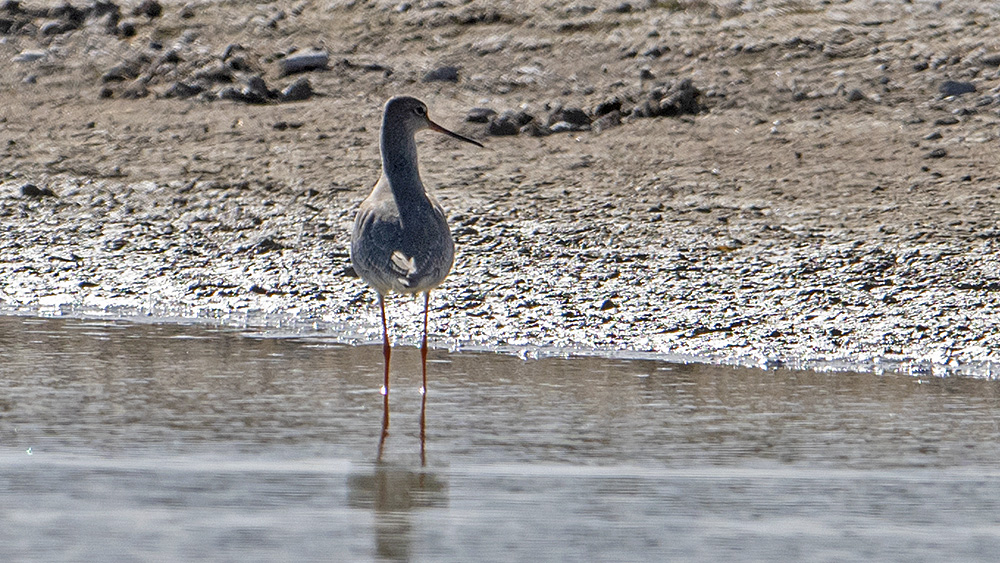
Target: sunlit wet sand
x=127, y=441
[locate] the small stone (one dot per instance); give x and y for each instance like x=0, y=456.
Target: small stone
x=953, y=88
x=608, y=106
x=534, y=129
x=297, y=91
x=126, y=29
x=135, y=90
x=214, y=72
x=936, y=153
x=149, y=8
x=442, y=74
x=28, y=56
x=920, y=66
x=183, y=90
x=187, y=11
x=990, y=59
x=950, y=120
x=502, y=126
x=608, y=121
x=608, y=304
x=508, y=123
x=479, y=115
x=563, y=126
x=933, y=136
x=53, y=28
x=856, y=95
x=574, y=116
x=304, y=61
x=31, y=190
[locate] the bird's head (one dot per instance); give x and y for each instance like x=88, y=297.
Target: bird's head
x=411, y=114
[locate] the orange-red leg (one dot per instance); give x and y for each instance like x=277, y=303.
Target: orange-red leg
x=386, y=354
x=423, y=345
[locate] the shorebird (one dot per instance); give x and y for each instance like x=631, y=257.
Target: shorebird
x=401, y=242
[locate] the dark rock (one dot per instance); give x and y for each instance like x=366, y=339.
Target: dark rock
x=149, y=8
x=31, y=190
x=953, y=88
x=304, y=61
x=990, y=59
x=856, y=95
x=53, y=28
x=214, y=72
x=608, y=106
x=535, y=129
x=183, y=90
x=121, y=72
x=920, y=66
x=574, y=116
x=646, y=74
x=933, y=136
x=136, y=89
x=442, y=74
x=479, y=115
x=239, y=63
x=950, y=120
x=508, y=123
x=263, y=245
x=297, y=91
x=126, y=29
x=607, y=121
x=936, y=153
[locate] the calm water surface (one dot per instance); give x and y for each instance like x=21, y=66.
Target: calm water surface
x=140, y=442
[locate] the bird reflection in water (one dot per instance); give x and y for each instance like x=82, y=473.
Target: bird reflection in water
x=395, y=494
x=385, y=428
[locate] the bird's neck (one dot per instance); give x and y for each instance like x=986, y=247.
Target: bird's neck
x=399, y=162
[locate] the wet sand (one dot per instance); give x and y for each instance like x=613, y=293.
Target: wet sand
x=830, y=204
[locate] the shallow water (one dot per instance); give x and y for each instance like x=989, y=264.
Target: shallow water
x=123, y=441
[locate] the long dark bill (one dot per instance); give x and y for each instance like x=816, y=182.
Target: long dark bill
x=439, y=129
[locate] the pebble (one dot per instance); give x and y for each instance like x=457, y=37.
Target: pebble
x=183, y=90
x=608, y=121
x=28, y=56
x=479, y=115
x=608, y=106
x=575, y=117
x=950, y=120
x=508, y=123
x=535, y=129
x=953, y=88
x=936, y=153
x=31, y=190
x=933, y=136
x=856, y=95
x=990, y=59
x=304, y=61
x=297, y=91
x=149, y=8
x=442, y=74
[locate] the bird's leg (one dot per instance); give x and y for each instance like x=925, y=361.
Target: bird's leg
x=386, y=353
x=423, y=345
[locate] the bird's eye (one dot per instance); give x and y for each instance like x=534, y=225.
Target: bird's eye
x=420, y=110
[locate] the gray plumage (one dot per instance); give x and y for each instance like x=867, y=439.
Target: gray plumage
x=401, y=241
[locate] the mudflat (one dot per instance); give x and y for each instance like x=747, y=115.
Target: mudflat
x=802, y=183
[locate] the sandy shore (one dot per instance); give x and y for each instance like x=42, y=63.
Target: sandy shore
x=832, y=202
